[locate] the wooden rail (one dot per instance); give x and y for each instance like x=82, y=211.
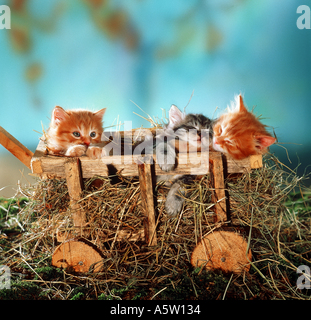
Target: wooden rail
x=46, y=165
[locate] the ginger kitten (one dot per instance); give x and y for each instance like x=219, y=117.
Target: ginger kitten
x=75, y=133
x=239, y=133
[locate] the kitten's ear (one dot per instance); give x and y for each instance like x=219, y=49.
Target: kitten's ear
x=59, y=115
x=99, y=114
x=175, y=116
x=241, y=103
x=264, y=141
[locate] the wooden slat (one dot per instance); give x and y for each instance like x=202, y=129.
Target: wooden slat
x=245, y=165
x=146, y=190
x=75, y=187
x=190, y=163
x=15, y=147
x=219, y=197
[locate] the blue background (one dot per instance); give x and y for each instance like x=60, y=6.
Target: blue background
x=111, y=53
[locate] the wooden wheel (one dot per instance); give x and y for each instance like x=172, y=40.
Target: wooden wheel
x=222, y=250
x=77, y=255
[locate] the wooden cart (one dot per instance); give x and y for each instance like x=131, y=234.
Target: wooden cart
x=81, y=255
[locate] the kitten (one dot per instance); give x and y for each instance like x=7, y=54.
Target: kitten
x=75, y=133
x=188, y=130
x=239, y=133
x=184, y=132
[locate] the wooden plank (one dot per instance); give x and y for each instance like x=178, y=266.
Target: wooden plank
x=43, y=164
x=75, y=187
x=192, y=163
x=15, y=147
x=146, y=190
x=256, y=161
x=219, y=185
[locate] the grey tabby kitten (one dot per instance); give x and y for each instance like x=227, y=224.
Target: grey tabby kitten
x=187, y=129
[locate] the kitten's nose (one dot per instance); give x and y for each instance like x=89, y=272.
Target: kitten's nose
x=87, y=142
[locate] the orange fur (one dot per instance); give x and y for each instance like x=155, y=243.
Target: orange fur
x=73, y=132
x=239, y=133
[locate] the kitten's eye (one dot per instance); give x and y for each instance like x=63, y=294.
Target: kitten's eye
x=76, y=134
x=93, y=134
x=228, y=142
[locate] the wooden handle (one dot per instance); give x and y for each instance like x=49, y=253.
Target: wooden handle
x=15, y=147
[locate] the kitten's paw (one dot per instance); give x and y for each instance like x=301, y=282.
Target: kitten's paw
x=104, y=153
x=173, y=206
x=76, y=151
x=166, y=157
x=174, y=202
x=94, y=152
x=167, y=167
x=166, y=161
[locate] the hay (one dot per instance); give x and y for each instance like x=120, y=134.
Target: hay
x=278, y=237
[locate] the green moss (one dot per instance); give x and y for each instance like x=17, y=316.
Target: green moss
x=48, y=273
x=22, y=290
